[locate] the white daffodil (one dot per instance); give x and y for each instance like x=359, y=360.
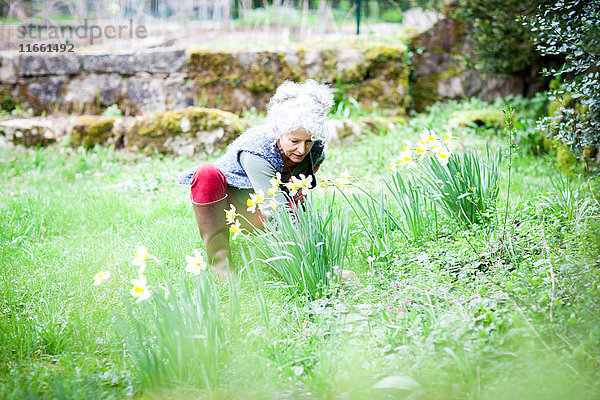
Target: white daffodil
x=394, y=166
x=305, y=182
x=342, y=180
x=443, y=155
x=195, y=263
x=271, y=203
x=235, y=229
x=273, y=190
x=139, y=259
x=276, y=180
x=230, y=214
x=293, y=186
x=255, y=200
x=448, y=136
x=101, y=277
x=140, y=288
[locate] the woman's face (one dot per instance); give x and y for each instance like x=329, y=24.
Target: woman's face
x=295, y=145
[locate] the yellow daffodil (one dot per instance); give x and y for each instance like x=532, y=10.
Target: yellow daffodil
x=294, y=186
x=448, y=136
x=305, y=182
x=101, y=277
x=195, y=263
x=443, y=155
x=428, y=140
x=254, y=200
x=230, y=214
x=235, y=229
x=140, y=288
x=139, y=258
x=343, y=180
x=273, y=190
x=271, y=203
x=276, y=180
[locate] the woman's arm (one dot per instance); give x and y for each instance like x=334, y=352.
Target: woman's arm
x=260, y=172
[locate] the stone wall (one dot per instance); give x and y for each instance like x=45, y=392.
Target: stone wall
x=146, y=82
x=160, y=80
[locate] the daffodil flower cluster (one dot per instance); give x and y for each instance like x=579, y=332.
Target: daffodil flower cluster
x=232, y=221
x=340, y=182
x=140, y=290
x=429, y=144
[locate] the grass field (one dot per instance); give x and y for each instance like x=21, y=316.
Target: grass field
x=502, y=309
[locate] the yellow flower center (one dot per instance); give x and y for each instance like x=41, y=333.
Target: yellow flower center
x=138, y=289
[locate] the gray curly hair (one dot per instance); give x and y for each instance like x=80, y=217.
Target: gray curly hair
x=296, y=105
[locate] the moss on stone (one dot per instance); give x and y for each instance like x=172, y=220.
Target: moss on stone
x=424, y=92
x=152, y=132
x=565, y=159
x=89, y=130
x=480, y=117
x=7, y=101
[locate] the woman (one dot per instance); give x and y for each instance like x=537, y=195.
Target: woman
x=289, y=143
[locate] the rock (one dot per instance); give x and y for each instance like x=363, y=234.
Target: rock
x=342, y=131
x=121, y=63
x=8, y=68
x=89, y=130
x=94, y=89
x=26, y=132
x=147, y=93
x=131, y=63
x=47, y=90
x=45, y=64
x=183, y=132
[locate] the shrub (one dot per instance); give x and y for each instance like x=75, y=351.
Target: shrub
x=569, y=29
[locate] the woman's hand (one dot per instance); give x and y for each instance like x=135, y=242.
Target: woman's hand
x=299, y=197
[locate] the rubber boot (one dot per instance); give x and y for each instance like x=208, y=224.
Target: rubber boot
x=215, y=233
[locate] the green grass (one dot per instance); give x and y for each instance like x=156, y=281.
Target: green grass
x=488, y=312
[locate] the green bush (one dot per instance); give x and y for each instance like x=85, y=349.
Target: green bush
x=467, y=187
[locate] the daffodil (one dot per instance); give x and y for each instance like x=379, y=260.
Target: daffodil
x=139, y=258
x=443, y=155
x=293, y=186
x=273, y=190
x=101, y=277
x=235, y=229
x=394, y=166
x=342, y=181
x=276, y=180
x=140, y=288
x=271, y=203
x=195, y=263
x=305, y=182
x=323, y=183
x=254, y=200
x=230, y=214
x=448, y=136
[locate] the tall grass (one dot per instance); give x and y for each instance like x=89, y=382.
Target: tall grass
x=307, y=252
x=418, y=213
x=174, y=340
x=467, y=186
